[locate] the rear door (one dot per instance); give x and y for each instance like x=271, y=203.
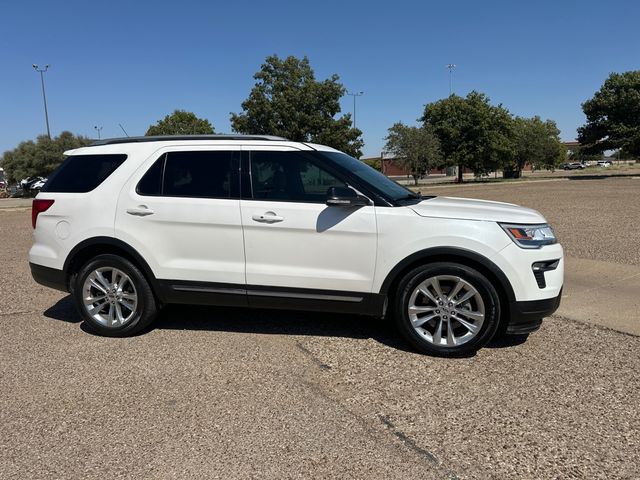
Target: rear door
x=181, y=211
x=293, y=240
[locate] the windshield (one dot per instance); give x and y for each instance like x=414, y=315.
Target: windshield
x=378, y=181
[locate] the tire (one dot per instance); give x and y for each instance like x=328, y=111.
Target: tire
x=117, y=293
x=437, y=325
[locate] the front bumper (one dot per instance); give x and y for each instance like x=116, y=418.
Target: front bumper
x=526, y=317
x=49, y=277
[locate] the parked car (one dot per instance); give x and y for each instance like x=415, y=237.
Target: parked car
x=129, y=225
x=30, y=186
x=574, y=166
x=604, y=163
x=36, y=186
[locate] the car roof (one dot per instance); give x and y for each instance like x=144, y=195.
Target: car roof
x=152, y=143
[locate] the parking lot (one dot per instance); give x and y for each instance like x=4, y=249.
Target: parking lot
x=223, y=393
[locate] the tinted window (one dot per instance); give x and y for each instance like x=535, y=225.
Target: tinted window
x=288, y=176
x=151, y=183
x=192, y=174
x=82, y=173
x=376, y=180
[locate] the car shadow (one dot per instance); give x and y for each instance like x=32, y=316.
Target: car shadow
x=63, y=310
x=260, y=321
x=271, y=322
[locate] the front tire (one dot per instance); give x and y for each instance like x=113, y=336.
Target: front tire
x=113, y=296
x=446, y=309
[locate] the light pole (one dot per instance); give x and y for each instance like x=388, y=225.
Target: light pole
x=98, y=129
x=451, y=67
x=354, y=95
x=44, y=96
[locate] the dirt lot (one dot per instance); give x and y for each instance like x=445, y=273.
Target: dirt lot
x=219, y=393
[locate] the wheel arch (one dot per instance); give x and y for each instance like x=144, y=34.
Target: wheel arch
x=92, y=247
x=456, y=255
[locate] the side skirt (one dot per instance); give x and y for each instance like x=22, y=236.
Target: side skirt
x=259, y=296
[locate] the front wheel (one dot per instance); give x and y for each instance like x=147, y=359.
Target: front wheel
x=113, y=296
x=447, y=309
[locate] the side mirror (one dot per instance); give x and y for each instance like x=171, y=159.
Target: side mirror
x=345, y=197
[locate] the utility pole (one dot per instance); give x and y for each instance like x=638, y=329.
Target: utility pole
x=451, y=68
x=98, y=129
x=354, y=95
x=44, y=96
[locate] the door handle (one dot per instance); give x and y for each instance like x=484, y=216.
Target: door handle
x=267, y=217
x=140, y=211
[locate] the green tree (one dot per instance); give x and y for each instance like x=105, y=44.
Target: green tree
x=181, y=122
x=583, y=154
x=417, y=149
x=41, y=157
x=472, y=132
x=289, y=102
x=537, y=142
x=613, y=115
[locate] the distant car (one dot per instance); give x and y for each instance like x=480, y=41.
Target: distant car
x=574, y=166
x=604, y=163
x=38, y=185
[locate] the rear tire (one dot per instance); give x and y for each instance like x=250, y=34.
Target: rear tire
x=113, y=296
x=446, y=309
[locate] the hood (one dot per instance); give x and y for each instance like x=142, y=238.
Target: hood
x=472, y=209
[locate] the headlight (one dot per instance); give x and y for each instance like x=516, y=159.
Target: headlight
x=530, y=236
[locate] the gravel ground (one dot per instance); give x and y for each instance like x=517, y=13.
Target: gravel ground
x=220, y=393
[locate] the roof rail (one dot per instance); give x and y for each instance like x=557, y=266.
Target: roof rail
x=167, y=138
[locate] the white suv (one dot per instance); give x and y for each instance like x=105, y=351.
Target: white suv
x=128, y=225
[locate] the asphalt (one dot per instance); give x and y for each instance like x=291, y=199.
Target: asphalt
x=222, y=393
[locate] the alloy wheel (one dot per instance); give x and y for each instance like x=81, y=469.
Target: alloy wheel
x=109, y=297
x=446, y=310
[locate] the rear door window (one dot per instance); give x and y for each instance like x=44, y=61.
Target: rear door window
x=194, y=174
x=82, y=173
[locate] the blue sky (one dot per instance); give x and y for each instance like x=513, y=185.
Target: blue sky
x=134, y=62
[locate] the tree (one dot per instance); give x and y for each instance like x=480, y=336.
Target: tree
x=613, y=115
x=538, y=143
x=583, y=154
x=289, y=102
x=417, y=149
x=181, y=122
x=472, y=132
x=41, y=157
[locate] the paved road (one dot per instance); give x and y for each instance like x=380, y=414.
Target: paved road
x=220, y=393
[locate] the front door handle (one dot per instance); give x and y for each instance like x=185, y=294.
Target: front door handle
x=140, y=211
x=267, y=217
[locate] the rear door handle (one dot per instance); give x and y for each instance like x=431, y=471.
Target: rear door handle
x=267, y=217
x=140, y=211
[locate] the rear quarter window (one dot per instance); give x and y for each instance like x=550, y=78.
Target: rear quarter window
x=82, y=173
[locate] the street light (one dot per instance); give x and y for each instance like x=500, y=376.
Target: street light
x=451, y=67
x=44, y=96
x=98, y=129
x=354, y=95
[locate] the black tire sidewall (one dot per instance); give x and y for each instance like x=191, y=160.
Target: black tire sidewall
x=480, y=283
x=146, y=310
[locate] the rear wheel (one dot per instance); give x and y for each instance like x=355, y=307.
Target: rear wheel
x=113, y=296
x=447, y=309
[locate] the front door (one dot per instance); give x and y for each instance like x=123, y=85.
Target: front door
x=292, y=239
